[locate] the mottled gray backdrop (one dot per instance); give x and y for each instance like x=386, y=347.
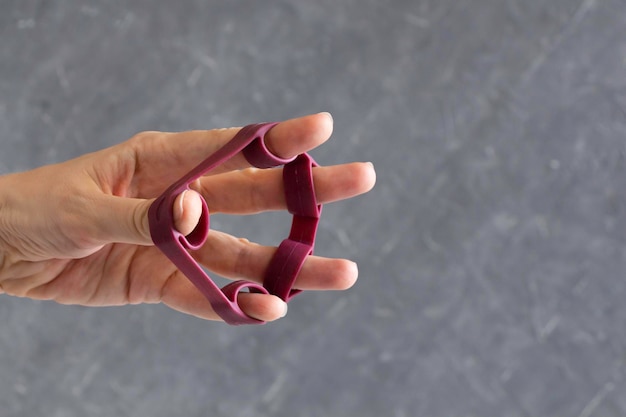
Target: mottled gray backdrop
x=492, y=252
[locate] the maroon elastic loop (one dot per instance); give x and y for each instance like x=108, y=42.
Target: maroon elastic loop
x=249, y=141
x=304, y=229
x=299, y=188
x=258, y=154
x=285, y=267
x=234, y=288
x=231, y=291
x=293, y=251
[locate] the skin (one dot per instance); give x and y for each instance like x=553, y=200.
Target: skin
x=77, y=232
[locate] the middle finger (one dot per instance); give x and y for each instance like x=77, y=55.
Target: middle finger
x=255, y=190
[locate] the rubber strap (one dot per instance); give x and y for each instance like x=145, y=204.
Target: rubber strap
x=291, y=254
x=289, y=257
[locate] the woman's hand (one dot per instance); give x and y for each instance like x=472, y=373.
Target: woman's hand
x=77, y=232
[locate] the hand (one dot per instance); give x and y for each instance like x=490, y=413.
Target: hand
x=77, y=232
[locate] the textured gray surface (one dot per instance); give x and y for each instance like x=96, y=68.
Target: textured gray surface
x=492, y=251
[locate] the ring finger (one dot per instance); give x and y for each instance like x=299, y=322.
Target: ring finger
x=237, y=258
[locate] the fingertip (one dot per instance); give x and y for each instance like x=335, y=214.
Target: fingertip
x=263, y=307
x=187, y=211
x=295, y=136
x=347, y=274
x=371, y=175
x=366, y=177
x=326, y=122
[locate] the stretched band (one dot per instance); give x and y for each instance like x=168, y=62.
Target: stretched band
x=291, y=254
x=289, y=257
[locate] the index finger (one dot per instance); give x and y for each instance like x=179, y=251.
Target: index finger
x=168, y=156
x=293, y=137
x=286, y=140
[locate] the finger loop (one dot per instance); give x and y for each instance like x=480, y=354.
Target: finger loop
x=299, y=188
x=257, y=152
x=285, y=267
x=293, y=251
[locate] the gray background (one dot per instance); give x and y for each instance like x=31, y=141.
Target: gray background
x=492, y=251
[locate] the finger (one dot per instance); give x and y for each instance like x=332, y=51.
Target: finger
x=254, y=190
x=187, y=211
x=295, y=136
x=285, y=140
x=236, y=258
x=125, y=220
x=180, y=294
x=165, y=157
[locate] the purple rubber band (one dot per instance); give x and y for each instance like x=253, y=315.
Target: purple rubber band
x=290, y=255
x=285, y=267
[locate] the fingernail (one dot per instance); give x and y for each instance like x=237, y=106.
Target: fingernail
x=178, y=214
x=286, y=308
x=330, y=116
x=186, y=212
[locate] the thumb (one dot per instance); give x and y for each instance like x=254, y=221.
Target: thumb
x=125, y=220
x=187, y=211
